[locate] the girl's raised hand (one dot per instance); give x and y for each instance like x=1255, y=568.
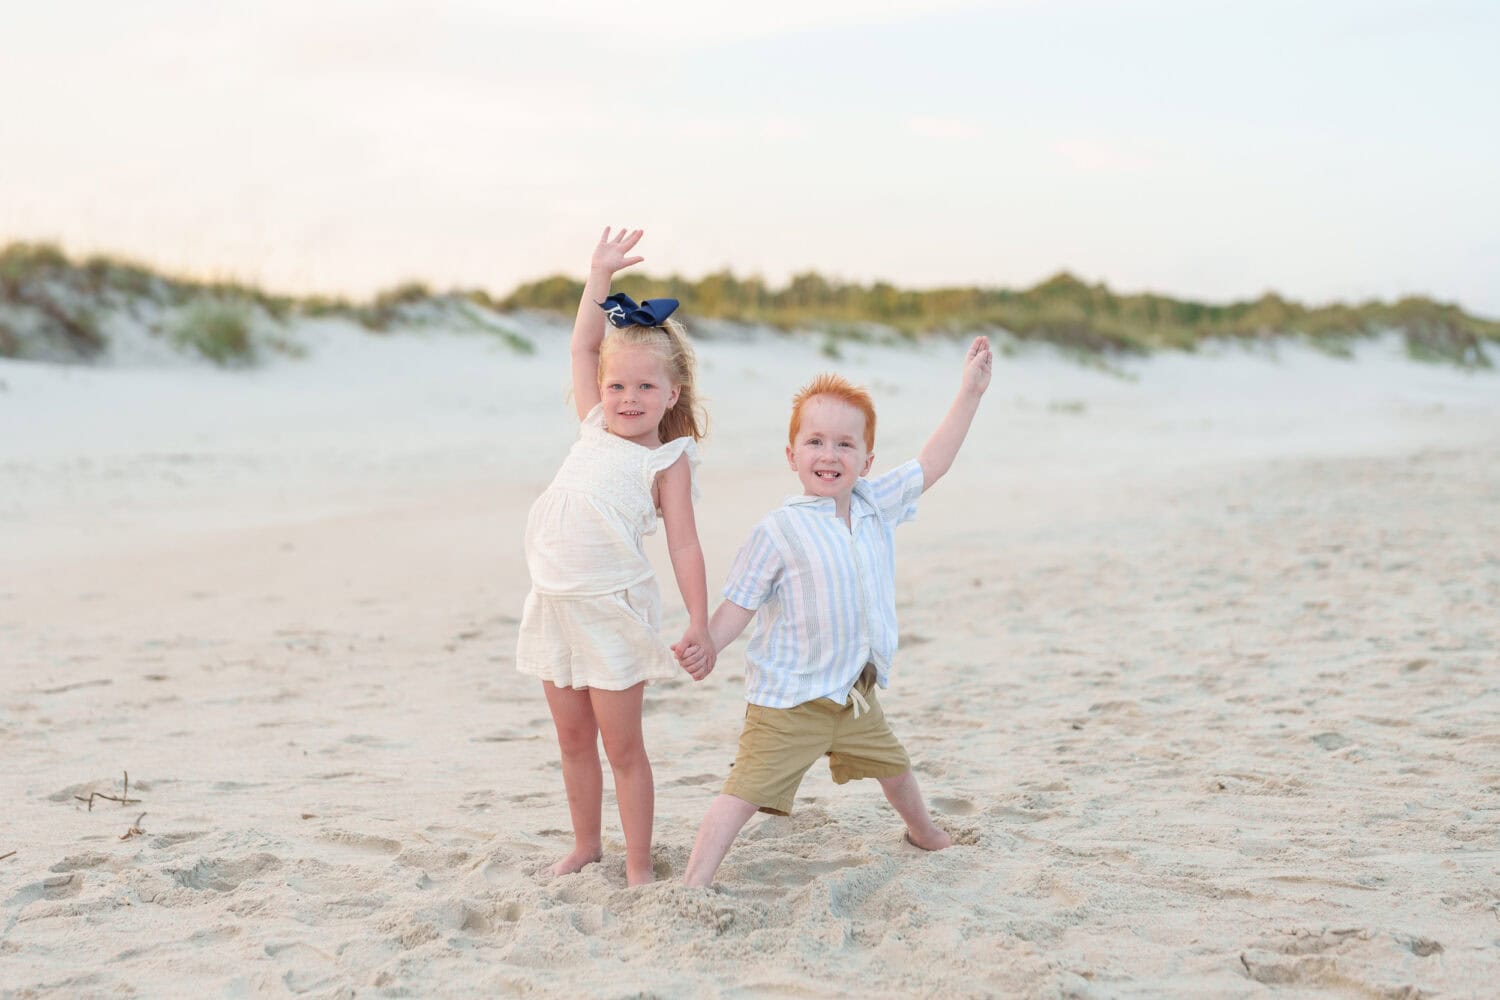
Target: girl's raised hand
x=978, y=363
x=610, y=254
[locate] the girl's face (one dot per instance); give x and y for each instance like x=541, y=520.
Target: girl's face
x=636, y=393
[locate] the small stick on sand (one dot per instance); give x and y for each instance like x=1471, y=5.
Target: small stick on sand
x=135, y=828
x=124, y=800
x=4, y=856
x=75, y=686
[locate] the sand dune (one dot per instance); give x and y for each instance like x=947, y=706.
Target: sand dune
x=1201, y=667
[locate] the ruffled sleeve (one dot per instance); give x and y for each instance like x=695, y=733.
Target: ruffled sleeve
x=659, y=459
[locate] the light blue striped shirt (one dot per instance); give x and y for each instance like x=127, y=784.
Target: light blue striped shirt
x=824, y=595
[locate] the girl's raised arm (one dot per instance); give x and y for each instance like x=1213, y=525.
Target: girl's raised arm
x=588, y=328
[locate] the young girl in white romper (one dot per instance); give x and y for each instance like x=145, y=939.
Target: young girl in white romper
x=589, y=630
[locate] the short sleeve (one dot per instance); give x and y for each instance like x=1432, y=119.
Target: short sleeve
x=896, y=493
x=755, y=571
x=660, y=459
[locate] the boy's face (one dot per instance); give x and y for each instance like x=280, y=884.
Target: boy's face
x=828, y=451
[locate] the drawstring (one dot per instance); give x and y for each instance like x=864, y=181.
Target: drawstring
x=860, y=705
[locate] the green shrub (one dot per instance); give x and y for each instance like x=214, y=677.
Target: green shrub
x=19, y=261
x=218, y=329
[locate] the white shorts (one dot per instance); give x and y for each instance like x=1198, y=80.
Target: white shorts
x=610, y=642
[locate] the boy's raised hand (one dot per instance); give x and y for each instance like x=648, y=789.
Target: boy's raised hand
x=611, y=253
x=978, y=363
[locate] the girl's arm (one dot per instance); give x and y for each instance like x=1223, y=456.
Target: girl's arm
x=938, y=453
x=676, y=494
x=588, y=328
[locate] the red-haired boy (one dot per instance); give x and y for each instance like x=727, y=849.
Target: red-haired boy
x=818, y=578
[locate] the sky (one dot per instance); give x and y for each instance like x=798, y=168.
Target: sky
x=1212, y=150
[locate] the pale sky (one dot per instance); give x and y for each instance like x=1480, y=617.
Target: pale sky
x=1205, y=149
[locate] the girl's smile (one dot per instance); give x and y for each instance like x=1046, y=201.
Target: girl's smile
x=636, y=392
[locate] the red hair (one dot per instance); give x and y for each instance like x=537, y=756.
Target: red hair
x=844, y=391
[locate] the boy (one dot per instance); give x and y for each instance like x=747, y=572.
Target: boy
x=818, y=575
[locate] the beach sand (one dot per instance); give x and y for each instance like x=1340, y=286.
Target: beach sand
x=1200, y=665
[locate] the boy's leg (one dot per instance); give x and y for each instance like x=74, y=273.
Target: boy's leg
x=619, y=716
x=906, y=798
x=578, y=739
x=723, y=822
x=865, y=747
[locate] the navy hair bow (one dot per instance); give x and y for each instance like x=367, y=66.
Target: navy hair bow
x=621, y=310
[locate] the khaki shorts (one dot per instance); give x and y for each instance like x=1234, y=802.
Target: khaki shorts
x=778, y=745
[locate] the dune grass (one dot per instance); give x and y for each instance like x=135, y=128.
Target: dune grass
x=1062, y=310
x=219, y=329
x=1086, y=320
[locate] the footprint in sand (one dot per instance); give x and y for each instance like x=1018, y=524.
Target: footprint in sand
x=224, y=874
x=696, y=779
x=76, y=862
x=505, y=873
x=362, y=843
x=506, y=736
x=312, y=969
x=954, y=807
x=793, y=873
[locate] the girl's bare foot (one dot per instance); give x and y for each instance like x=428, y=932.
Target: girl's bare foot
x=639, y=871
x=576, y=861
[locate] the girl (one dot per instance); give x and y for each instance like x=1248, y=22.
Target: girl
x=589, y=629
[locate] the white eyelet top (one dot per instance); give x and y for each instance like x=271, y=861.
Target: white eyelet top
x=583, y=535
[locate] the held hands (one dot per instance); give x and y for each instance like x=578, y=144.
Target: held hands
x=695, y=653
x=610, y=254
x=978, y=363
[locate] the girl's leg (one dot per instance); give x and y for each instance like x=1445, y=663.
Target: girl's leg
x=906, y=797
x=578, y=739
x=619, y=717
x=721, y=824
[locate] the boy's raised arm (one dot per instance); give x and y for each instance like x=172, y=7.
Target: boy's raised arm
x=588, y=327
x=938, y=453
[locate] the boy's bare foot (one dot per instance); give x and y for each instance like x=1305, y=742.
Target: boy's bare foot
x=577, y=861
x=934, y=840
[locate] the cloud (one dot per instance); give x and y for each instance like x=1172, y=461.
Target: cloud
x=944, y=128
x=1098, y=156
x=680, y=21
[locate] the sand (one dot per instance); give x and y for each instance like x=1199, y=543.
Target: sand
x=1200, y=665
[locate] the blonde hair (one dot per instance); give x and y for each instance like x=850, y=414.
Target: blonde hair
x=841, y=389
x=686, y=418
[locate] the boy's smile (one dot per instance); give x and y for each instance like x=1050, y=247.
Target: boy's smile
x=828, y=452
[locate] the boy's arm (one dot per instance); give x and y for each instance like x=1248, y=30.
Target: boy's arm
x=937, y=455
x=588, y=327
x=752, y=579
x=728, y=621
